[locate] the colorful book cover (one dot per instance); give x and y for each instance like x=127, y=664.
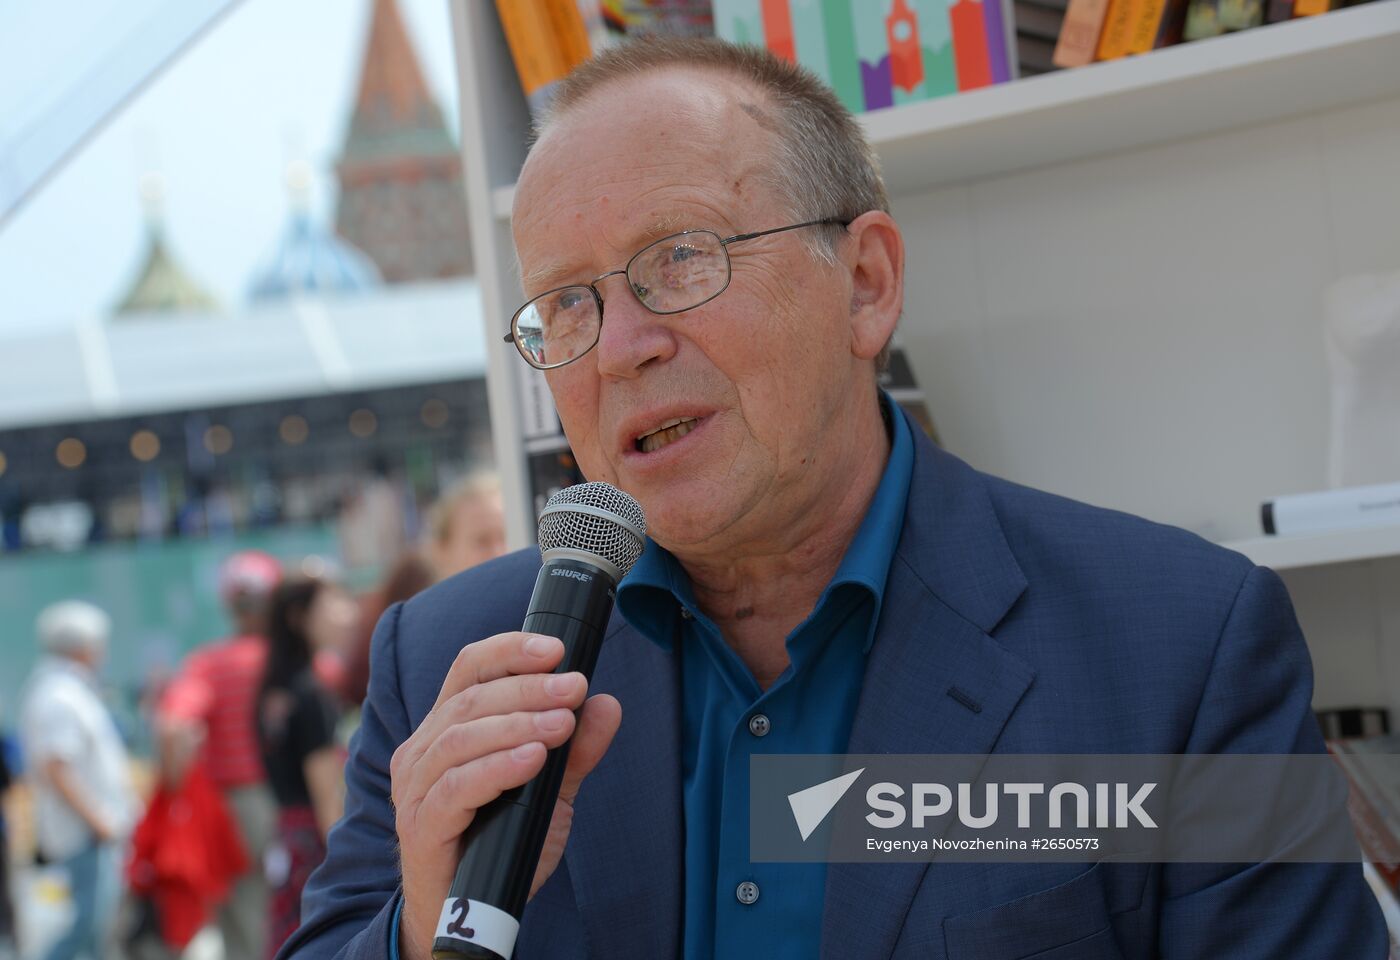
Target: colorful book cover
x=1079, y=33
x=880, y=53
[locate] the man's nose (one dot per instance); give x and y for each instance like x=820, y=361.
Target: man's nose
x=631, y=336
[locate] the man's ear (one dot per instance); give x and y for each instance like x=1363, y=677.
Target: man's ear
x=875, y=257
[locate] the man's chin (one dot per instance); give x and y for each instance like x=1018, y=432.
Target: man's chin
x=683, y=517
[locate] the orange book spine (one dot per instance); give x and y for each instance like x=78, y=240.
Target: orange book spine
x=570, y=34
x=1311, y=8
x=531, y=40
x=1147, y=23
x=1117, y=29
x=1079, y=34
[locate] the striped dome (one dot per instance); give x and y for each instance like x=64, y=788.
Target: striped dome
x=313, y=261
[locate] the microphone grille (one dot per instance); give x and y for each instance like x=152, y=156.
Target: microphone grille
x=593, y=522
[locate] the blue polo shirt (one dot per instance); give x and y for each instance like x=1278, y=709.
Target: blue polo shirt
x=726, y=718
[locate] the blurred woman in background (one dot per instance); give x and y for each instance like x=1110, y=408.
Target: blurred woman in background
x=297, y=719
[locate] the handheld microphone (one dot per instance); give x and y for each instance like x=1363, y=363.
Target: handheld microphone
x=590, y=535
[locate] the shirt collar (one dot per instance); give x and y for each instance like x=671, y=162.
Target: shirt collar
x=649, y=596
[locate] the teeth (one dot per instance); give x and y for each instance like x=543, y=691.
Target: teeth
x=664, y=426
x=668, y=432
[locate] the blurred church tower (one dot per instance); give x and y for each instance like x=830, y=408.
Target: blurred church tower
x=402, y=200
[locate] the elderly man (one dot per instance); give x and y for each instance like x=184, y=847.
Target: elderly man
x=84, y=804
x=713, y=277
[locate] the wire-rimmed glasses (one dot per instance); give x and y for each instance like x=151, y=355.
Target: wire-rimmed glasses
x=676, y=273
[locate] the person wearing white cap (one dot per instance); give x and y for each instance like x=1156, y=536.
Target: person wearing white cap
x=84, y=802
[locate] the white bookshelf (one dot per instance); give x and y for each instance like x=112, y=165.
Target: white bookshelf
x=1320, y=549
x=1287, y=69
x=1115, y=284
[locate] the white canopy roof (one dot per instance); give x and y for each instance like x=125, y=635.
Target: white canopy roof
x=136, y=363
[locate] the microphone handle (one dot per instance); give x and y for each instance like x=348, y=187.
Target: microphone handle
x=501, y=847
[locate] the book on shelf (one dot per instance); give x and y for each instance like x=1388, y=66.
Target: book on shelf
x=1079, y=34
x=1211, y=18
x=1140, y=26
x=1156, y=24
x=1038, y=25
x=639, y=18
x=882, y=53
x=1373, y=799
x=548, y=38
x=1117, y=29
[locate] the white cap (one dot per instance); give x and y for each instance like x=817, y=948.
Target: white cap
x=73, y=626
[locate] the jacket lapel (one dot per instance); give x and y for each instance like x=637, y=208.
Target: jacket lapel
x=936, y=682
x=626, y=850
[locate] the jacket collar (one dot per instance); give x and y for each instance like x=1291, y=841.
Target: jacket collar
x=936, y=681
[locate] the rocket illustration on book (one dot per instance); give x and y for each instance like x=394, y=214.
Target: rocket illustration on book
x=906, y=58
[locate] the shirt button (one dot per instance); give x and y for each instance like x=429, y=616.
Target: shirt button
x=747, y=892
x=686, y=614
x=759, y=725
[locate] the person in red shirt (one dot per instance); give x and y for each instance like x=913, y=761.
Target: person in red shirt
x=206, y=716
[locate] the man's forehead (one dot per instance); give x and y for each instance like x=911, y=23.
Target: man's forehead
x=685, y=116
x=688, y=152
x=685, y=93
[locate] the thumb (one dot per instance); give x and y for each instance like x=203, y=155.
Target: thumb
x=597, y=724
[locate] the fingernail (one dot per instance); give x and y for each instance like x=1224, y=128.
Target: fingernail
x=559, y=685
x=538, y=646
x=524, y=752
x=552, y=719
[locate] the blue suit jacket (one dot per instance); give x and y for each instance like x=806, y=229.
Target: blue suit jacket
x=1069, y=628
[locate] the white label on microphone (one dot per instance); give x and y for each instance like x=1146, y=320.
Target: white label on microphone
x=472, y=921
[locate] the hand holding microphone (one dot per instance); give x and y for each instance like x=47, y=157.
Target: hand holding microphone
x=494, y=759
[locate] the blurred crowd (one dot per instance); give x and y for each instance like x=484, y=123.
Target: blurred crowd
x=226, y=821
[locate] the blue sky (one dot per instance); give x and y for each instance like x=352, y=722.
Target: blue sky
x=272, y=83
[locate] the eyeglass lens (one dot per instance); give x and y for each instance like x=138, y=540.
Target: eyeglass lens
x=669, y=276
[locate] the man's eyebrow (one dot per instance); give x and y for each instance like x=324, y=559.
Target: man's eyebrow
x=545, y=277
x=553, y=275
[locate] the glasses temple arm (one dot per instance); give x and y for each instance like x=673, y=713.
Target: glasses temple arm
x=828, y=221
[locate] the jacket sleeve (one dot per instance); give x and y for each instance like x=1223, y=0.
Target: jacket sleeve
x=1258, y=699
x=349, y=902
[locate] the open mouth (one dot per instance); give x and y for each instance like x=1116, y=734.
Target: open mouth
x=668, y=432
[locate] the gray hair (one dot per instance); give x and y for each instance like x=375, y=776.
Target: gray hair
x=73, y=627
x=823, y=165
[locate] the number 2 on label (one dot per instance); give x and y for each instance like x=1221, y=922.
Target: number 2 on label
x=458, y=927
